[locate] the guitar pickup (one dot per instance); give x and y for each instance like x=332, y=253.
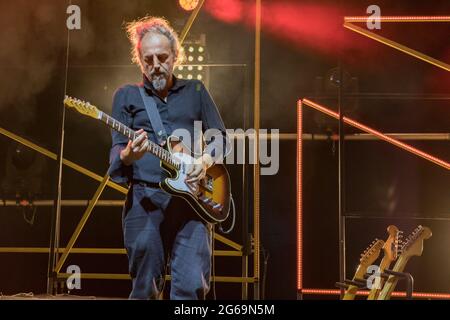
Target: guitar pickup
x=206, y=200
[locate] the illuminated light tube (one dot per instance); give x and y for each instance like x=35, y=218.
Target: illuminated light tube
x=299, y=198
x=329, y=292
x=337, y=292
x=416, y=54
x=299, y=190
x=399, y=19
x=380, y=135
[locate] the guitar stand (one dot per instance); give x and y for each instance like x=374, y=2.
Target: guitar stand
x=400, y=276
x=360, y=284
x=347, y=283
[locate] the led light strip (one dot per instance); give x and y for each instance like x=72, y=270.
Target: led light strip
x=380, y=135
x=365, y=293
x=399, y=19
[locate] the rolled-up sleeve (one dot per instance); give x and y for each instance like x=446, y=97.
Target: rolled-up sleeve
x=118, y=171
x=217, y=143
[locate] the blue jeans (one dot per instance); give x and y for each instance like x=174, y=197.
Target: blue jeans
x=156, y=229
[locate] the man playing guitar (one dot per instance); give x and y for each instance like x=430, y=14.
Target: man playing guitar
x=157, y=227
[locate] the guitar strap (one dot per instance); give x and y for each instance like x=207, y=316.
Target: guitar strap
x=153, y=115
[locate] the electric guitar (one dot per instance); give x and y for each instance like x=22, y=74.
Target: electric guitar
x=412, y=247
x=212, y=199
x=390, y=250
x=368, y=257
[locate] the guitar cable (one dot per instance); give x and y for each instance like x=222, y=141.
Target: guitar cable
x=233, y=221
x=213, y=262
x=213, y=229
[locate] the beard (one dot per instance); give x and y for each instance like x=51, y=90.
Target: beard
x=159, y=81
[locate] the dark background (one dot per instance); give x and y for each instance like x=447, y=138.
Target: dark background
x=302, y=43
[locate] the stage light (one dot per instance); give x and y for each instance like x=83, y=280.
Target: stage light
x=196, y=58
x=188, y=5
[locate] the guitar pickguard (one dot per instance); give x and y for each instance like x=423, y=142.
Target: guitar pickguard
x=178, y=183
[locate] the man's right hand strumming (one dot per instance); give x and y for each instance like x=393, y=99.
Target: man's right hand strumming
x=136, y=149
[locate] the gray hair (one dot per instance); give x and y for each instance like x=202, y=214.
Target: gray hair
x=136, y=30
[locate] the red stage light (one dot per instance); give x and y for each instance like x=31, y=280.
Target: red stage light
x=189, y=5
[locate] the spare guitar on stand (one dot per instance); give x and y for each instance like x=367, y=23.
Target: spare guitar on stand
x=412, y=247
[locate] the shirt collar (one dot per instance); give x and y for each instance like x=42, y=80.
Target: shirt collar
x=177, y=84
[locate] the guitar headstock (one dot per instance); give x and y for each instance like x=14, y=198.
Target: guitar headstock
x=82, y=107
x=414, y=242
x=371, y=254
x=391, y=246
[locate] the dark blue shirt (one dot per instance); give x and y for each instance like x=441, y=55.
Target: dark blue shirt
x=187, y=101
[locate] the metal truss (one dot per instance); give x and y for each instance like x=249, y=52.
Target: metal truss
x=348, y=23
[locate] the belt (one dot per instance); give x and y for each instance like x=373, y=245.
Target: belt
x=154, y=185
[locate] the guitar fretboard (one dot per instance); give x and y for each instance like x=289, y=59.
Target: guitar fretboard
x=153, y=148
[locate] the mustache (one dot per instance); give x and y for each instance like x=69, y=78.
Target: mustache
x=158, y=75
x=162, y=71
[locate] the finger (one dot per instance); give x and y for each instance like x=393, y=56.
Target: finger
x=139, y=140
x=136, y=142
x=189, y=170
x=197, y=170
x=137, y=134
x=193, y=187
x=193, y=172
x=144, y=147
x=194, y=179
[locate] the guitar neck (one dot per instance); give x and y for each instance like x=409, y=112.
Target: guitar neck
x=374, y=292
x=153, y=148
x=352, y=290
x=391, y=282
